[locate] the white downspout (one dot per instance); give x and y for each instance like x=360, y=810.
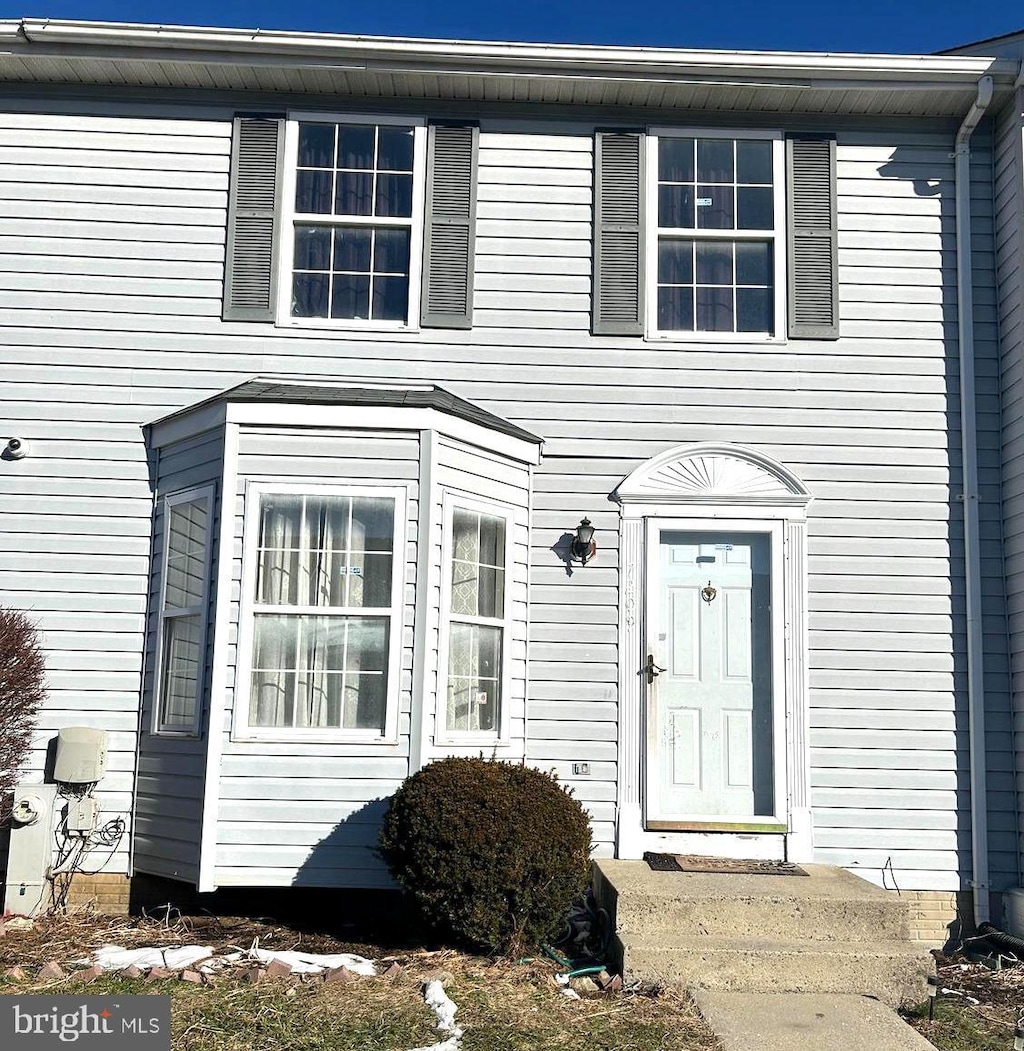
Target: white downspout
x=972, y=549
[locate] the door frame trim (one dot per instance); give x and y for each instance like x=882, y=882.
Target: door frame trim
x=699, y=485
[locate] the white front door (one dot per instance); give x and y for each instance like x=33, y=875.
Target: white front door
x=708, y=669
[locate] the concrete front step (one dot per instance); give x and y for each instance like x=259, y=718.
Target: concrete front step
x=828, y=905
x=892, y=972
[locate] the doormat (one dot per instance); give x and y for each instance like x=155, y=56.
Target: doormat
x=723, y=866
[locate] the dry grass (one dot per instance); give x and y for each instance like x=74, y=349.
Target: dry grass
x=502, y=1006
x=980, y=1010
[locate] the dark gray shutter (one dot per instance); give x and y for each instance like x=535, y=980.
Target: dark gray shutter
x=618, y=307
x=811, y=223
x=250, y=272
x=449, y=228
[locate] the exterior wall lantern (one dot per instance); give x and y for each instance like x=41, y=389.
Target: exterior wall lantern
x=583, y=546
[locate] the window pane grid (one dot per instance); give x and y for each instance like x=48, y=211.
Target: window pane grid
x=358, y=273
x=478, y=570
x=356, y=181
x=333, y=551
x=476, y=622
x=180, y=671
x=715, y=245
x=323, y=672
x=324, y=600
x=474, y=676
x=186, y=554
x=182, y=612
x=354, y=170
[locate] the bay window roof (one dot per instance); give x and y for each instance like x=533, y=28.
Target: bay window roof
x=266, y=392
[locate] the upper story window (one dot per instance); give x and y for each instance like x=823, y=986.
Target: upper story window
x=476, y=628
x=182, y=635
x=715, y=246
x=326, y=591
x=354, y=222
x=704, y=235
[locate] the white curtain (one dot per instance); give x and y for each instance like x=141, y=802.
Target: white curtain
x=306, y=667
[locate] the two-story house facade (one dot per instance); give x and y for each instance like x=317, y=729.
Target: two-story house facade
x=322, y=348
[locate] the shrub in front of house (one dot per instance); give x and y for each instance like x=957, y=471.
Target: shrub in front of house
x=22, y=689
x=492, y=853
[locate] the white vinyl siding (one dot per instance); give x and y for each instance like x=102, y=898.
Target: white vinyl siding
x=109, y=324
x=1008, y=174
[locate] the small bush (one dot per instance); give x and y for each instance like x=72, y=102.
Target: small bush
x=22, y=677
x=492, y=853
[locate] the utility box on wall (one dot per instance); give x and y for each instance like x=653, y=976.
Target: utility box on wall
x=31, y=849
x=81, y=756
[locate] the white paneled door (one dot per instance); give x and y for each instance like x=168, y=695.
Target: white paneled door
x=709, y=674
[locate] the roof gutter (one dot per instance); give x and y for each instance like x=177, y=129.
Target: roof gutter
x=514, y=58
x=972, y=545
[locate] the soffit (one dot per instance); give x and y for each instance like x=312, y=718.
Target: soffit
x=94, y=54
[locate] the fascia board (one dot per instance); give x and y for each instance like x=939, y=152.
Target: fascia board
x=468, y=57
x=375, y=418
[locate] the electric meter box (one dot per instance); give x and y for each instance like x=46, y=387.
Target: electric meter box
x=81, y=756
x=30, y=851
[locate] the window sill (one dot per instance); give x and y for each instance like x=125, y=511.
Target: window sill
x=471, y=741
x=344, y=325
x=188, y=735
x=275, y=736
x=714, y=338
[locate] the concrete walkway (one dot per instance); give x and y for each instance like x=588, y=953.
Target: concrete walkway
x=805, y=1022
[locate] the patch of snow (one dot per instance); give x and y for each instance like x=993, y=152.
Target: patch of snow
x=440, y=1003
x=174, y=958
x=180, y=957
x=956, y=992
x=308, y=962
x=571, y=994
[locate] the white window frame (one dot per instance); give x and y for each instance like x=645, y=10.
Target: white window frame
x=201, y=609
x=241, y=730
x=776, y=236
x=290, y=218
x=443, y=735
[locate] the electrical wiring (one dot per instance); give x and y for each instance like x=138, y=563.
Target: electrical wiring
x=71, y=848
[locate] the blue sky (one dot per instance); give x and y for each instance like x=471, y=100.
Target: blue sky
x=911, y=26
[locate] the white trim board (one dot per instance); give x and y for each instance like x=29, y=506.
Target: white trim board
x=716, y=486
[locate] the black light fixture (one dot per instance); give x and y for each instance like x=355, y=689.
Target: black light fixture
x=583, y=546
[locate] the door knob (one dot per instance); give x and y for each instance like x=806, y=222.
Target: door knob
x=652, y=670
